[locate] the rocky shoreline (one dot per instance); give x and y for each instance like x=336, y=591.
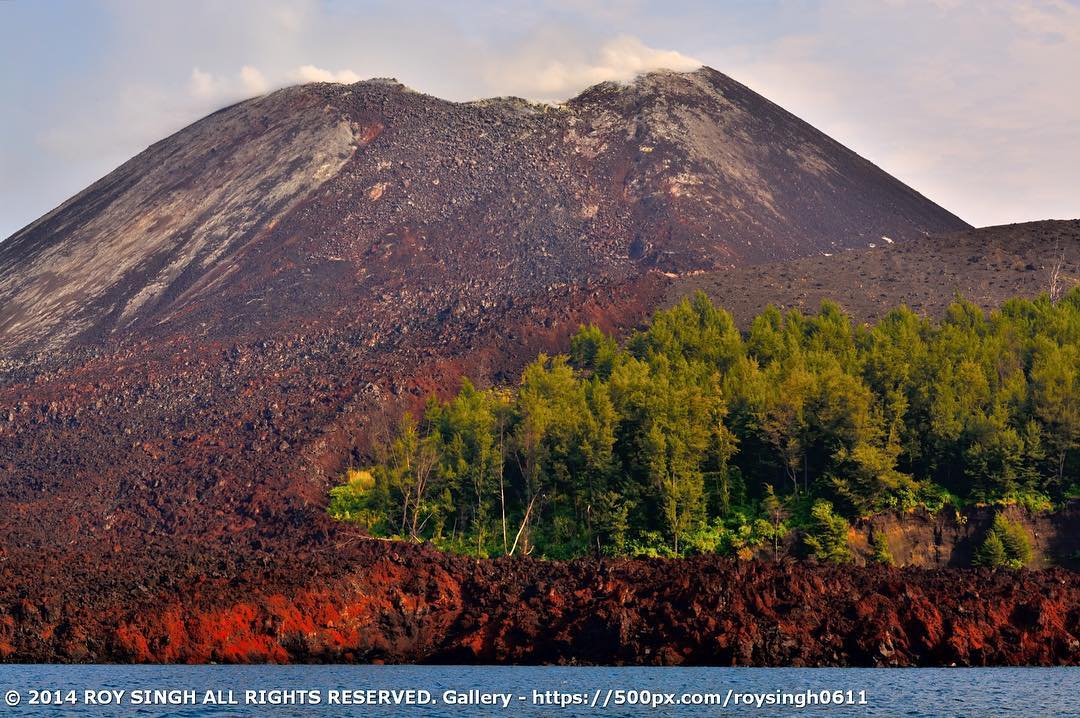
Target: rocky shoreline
x=398, y=603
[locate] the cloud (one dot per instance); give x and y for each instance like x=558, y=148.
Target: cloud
x=249, y=81
x=203, y=85
x=253, y=80
x=536, y=74
x=209, y=88
x=311, y=73
x=618, y=60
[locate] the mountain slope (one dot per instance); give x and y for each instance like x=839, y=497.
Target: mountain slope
x=987, y=266
x=299, y=204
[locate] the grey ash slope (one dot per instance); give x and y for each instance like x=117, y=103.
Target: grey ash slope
x=326, y=200
x=986, y=266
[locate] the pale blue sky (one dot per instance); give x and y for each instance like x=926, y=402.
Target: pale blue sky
x=976, y=104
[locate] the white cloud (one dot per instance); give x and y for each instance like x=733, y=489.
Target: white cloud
x=253, y=80
x=250, y=81
x=209, y=88
x=203, y=85
x=310, y=73
x=627, y=56
x=534, y=74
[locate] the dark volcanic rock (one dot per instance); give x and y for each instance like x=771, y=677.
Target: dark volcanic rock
x=194, y=347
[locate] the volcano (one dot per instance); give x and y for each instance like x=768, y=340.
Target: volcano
x=193, y=349
x=324, y=202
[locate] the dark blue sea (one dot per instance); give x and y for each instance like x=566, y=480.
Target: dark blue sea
x=526, y=691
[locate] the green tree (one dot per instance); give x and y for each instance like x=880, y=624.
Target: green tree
x=1055, y=376
x=783, y=420
x=593, y=351
x=1014, y=538
x=410, y=473
x=775, y=511
x=827, y=536
x=991, y=552
x=882, y=553
x=1006, y=544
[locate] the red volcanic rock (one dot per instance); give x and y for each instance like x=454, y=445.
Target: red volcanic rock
x=413, y=605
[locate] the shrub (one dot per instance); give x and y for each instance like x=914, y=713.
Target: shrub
x=827, y=535
x=353, y=500
x=1006, y=544
x=706, y=538
x=1033, y=501
x=935, y=498
x=650, y=544
x=882, y=554
x=991, y=553
x=1014, y=538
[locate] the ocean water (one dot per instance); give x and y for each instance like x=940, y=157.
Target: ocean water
x=317, y=691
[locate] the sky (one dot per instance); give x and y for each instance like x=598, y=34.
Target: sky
x=976, y=104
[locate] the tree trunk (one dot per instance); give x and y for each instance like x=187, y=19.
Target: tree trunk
x=524, y=523
x=805, y=476
x=502, y=501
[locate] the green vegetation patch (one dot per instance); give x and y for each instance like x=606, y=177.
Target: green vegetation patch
x=1006, y=544
x=692, y=437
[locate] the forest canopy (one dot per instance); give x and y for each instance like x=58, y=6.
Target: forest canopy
x=695, y=437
